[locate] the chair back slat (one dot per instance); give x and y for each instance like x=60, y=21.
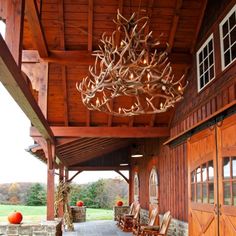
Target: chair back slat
x=131, y=210
x=165, y=223
x=152, y=217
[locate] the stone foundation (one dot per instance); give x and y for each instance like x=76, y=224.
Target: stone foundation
x=176, y=228
x=120, y=210
x=78, y=214
x=47, y=228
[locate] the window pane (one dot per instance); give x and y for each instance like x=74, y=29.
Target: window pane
x=210, y=170
x=206, y=77
x=226, y=43
x=193, y=177
x=225, y=28
x=227, y=196
x=226, y=168
x=205, y=51
x=212, y=73
x=198, y=174
x=200, y=57
x=199, y=199
x=211, y=193
x=232, y=21
x=210, y=48
x=205, y=64
x=204, y=193
x=234, y=166
x=233, y=36
x=201, y=82
x=211, y=59
x=227, y=57
x=201, y=69
x=234, y=193
x=204, y=173
x=233, y=51
x=193, y=192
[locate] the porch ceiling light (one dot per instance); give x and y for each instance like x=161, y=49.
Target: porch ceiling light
x=137, y=67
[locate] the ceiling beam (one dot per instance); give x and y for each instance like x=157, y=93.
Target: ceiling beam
x=32, y=15
x=14, y=28
x=174, y=25
x=202, y=13
x=109, y=132
x=98, y=168
x=83, y=57
x=11, y=78
x=76, y=159
x=90, y=25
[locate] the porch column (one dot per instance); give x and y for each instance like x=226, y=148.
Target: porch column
x=130, y=186
x=50, y=181
x=61, y=178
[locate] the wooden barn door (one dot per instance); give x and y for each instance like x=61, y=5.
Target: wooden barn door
x=202, y=172
x=212, y=180
x=226, y=132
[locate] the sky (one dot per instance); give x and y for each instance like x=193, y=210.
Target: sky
x=16, y=164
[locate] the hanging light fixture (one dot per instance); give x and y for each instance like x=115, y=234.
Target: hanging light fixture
x=136, y=68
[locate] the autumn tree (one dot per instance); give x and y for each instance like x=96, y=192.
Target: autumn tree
x=36, y=196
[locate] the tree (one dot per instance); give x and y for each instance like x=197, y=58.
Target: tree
x=36, y=196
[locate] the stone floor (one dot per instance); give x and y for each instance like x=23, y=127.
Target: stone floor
x=97, y=228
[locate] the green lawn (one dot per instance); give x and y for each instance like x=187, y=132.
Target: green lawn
x=37, y=213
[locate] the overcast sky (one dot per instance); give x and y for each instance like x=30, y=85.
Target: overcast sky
x=17, y=165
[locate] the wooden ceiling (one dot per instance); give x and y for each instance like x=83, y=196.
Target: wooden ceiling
x=65, y=32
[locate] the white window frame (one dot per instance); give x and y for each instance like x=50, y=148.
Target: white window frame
x=136, y=181
x=226, y=18
x=153, y=199
x=211, y=37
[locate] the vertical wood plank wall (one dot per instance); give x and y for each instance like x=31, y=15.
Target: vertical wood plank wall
x=171, y=165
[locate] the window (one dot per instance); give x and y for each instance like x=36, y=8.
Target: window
x=136, y=187
x=228, y=38
x=2, y=28
x=153, y=187
x=202, y=183
x=229, y=180
x=205, y=63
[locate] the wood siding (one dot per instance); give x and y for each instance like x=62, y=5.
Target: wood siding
x=171, y=165
x=218, y=94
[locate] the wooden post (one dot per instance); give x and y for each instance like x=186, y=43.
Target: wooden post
x=66, y=174
x=50, y=181
x=130, y=186
x=14, y=28
x=61, y=178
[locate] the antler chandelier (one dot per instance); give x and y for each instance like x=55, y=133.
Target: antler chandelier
x=135, y=68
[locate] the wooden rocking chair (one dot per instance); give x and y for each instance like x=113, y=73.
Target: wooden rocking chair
x=127, y=222
x=156, y=230
x=153, y=220
x=130, y=213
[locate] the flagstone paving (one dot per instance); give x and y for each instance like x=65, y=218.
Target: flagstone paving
x=97, y=228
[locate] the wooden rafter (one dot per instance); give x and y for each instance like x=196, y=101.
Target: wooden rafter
x=90, y=25
x=120, y=7
x=125, y=178
x=109, y=132
x=77, y=173
x=36, y=27
x=202, y=13
x=82, y=57
x=86, y=156
x=174, y=25
x=14, y=28
x=98, y=168
x=11, y=78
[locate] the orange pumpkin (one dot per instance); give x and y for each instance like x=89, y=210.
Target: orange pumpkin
x=119, y=203
x=79, y=203
x=15, y=218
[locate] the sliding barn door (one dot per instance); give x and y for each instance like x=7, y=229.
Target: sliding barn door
x=212, y=180
x=226, y=133
x=202, y=172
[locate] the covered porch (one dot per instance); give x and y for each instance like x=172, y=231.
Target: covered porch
x=186, y=161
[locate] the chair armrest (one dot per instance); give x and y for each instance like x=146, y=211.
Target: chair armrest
x=151, y=228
